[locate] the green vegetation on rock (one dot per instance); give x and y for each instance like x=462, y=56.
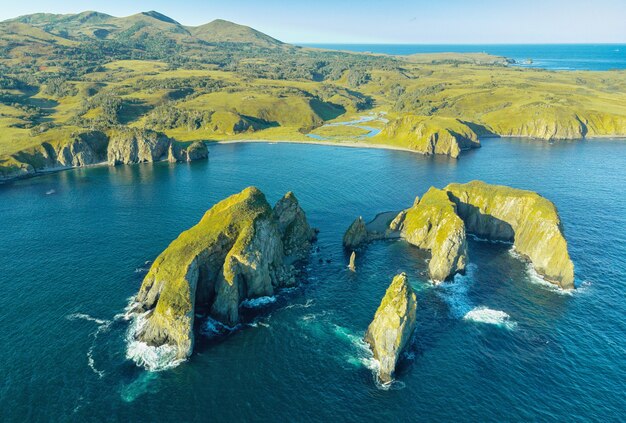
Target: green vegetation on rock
x=527, y=219
x=432, y=224
x=240, y=249
x=430, y=135
x=390, y=331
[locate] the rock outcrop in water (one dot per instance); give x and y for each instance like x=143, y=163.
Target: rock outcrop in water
x=525, y=218
x=236, y=252
x=439, y=221
x=356, y=235
x=430, y=135
x=432, y=224
x=392, y=327
x=293, y=225
x=145, y=146
x=195, y=151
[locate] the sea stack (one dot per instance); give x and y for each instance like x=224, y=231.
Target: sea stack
x=236, y=252
x=390, y=331
x=356, y=235
x=531, y=222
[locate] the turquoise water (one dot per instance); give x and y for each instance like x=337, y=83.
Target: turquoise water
x=74, y=245
x=548, y=56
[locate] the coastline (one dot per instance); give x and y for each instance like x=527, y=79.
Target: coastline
x=349, y=144
x=319, y=142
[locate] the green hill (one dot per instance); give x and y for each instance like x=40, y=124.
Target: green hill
x=62, y=77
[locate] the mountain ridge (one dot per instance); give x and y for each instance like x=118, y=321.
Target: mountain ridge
x=99, y=26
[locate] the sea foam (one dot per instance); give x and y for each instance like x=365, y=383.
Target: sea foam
x=258, y=302
x=490, y=316
x=103, y=326
x=152, y=358
x=455, y=294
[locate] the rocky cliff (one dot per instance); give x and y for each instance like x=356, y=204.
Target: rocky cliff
x=390, y=331
x=293, y=225
x=429, y=135
x=82, y=149
x=236, y=252
x=432, y=224
x=356, y=235
x=134, y=145
x=525, y=218
x=179, y=153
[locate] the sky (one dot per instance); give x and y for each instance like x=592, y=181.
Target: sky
x=383, y=21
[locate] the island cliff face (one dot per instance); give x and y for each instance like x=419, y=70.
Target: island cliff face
x=392, y=327
x=439, y=221
x=235, y=252
x=81, y=149
x=124, y=146
x=525, y=218
x=356, y=235
x=432, y=224
x=430, y=135
x=136, y=146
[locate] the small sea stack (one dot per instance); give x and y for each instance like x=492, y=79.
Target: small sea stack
x=390, y=331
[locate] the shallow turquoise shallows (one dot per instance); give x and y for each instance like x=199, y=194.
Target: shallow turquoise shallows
x=493, y=345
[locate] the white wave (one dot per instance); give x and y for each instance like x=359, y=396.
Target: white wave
x=83, y=316
x=152, y=358
x=258, y=323
x=103, y=326
x=490, y=316
x=50, y=192
x=258, y=302
x=454, y=292
x=308, y=304
x=129, y=310
x=535, y=278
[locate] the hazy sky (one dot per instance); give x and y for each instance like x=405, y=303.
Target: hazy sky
x=389, y=21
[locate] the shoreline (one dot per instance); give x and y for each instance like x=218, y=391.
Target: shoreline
x=318, y=142
x=355, y=144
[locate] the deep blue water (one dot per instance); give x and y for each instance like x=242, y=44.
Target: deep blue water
x=549, y=56
x=71, y=242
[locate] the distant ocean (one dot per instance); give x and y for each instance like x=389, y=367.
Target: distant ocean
x=547, y=56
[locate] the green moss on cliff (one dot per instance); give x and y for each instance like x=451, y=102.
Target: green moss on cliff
x=429, y=135
x=433, y=224
x=529, y=220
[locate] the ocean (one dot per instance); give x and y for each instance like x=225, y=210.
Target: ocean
x=598, y=57
x=494, y=345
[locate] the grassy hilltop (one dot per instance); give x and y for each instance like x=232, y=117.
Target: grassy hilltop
x=66, y=75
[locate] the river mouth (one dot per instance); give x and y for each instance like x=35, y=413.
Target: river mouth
x=72, y=242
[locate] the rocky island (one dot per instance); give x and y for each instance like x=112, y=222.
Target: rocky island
x=439, y=221
x=241, y=249
x=528, y=220
x=390, y=331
